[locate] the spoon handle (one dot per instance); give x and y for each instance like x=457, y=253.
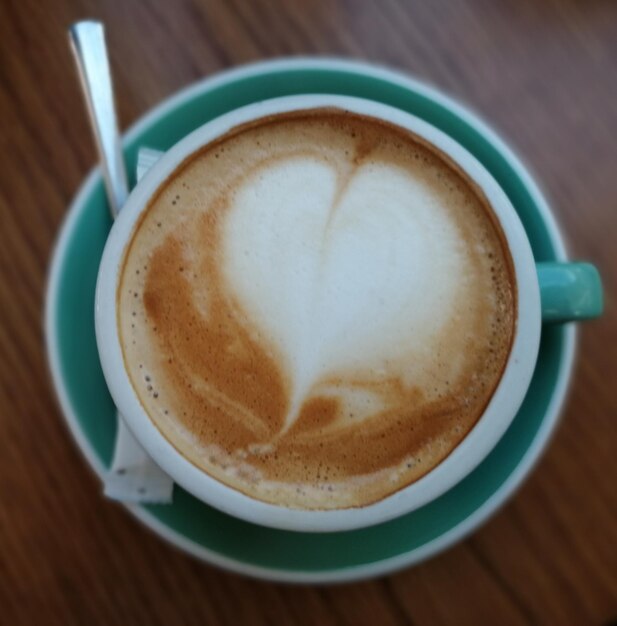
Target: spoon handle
x=88, y=44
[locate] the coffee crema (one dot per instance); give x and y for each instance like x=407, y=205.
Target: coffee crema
x=316, y=308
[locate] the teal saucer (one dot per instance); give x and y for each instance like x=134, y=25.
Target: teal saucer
x=205, y=532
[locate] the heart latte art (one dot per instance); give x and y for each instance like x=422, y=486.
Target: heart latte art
x=316, y=308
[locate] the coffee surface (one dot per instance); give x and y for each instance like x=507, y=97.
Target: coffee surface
x=316, y=308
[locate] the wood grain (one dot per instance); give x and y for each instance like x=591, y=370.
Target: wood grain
x=544, y=73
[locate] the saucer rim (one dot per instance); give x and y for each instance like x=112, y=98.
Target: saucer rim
x=375, y=568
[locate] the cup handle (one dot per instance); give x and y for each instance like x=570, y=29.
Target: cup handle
x=569, y=291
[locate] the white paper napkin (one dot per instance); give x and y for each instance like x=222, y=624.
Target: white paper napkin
x=134, y=476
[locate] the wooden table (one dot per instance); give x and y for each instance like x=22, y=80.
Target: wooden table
x=543, y=73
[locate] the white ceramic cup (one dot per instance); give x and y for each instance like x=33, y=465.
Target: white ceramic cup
x=493, y=423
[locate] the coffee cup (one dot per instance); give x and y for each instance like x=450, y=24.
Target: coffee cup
x=351, y=350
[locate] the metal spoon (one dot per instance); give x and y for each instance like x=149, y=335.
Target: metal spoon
x=88, y=43
x=133, y=477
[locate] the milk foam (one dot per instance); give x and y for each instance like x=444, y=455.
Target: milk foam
x=316, y=261
x=316, y=310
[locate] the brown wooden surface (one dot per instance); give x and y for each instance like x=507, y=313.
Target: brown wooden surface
x=543, y=72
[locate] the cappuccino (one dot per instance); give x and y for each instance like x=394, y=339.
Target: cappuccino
x=316, y=308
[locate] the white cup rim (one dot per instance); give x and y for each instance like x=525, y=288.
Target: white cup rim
x=495, y=420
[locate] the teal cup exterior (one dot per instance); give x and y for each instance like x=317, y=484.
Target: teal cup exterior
x=569, y=292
